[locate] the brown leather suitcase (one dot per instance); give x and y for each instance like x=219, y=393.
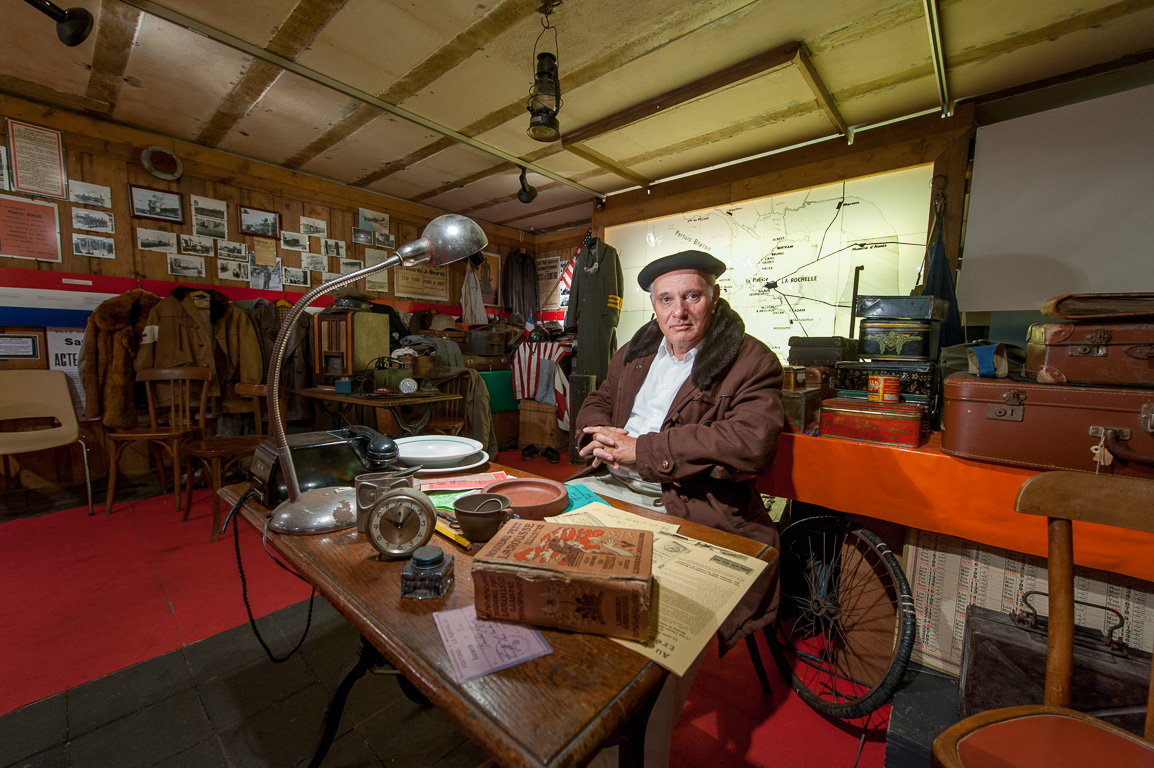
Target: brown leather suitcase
x=1091, y=353
x=1048, y=426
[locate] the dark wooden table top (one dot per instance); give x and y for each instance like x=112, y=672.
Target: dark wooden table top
x=376, y=401
x=550, y=712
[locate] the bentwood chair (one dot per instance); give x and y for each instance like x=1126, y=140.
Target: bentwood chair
x=40, y=394
x=177, y=406
x=1051, y=734
x=449, y=416
x=220, y=453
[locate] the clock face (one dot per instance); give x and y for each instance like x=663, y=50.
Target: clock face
x=407, y=386
x=402, y=521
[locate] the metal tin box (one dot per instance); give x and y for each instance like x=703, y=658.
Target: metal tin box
x=821, y=350
x=801, y=406
x=792, y=377
x=899, y=339
x=890, y=423
x=917, y=377
x=902, y=307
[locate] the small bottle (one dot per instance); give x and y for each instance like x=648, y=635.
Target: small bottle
x=428, y=575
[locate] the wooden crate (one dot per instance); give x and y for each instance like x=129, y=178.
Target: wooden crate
x=539, y=426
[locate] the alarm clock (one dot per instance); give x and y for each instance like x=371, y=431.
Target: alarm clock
x=400, y=522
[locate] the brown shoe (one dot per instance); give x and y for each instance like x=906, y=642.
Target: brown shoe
x=549, y=454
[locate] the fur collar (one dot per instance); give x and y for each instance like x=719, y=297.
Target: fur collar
x=718, y=350
x=124, y=311
x=219, y=302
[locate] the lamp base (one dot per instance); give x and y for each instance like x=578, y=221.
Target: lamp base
x=320, y=510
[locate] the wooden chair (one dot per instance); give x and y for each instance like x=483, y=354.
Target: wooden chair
x=449, y=416
x=218, y=454
x=1051, y=735
x=169, y=426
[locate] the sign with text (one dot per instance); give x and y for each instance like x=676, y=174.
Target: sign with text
x=64, y=355
x=29, y=229
x=422, y=282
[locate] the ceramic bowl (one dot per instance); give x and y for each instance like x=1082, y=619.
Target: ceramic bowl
x=481, y=515
x=532, y=498
x=433, y=451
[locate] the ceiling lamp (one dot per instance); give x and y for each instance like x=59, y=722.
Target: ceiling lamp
x=527, y=193
x=545, y=93
x=72, y=26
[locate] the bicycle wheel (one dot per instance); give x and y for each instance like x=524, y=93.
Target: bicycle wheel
x=845, y=628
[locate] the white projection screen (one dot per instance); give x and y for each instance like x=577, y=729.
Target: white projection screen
x=1061, y=202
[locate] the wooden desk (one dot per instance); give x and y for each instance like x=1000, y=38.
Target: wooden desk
x=392, y=403
x=553, y=711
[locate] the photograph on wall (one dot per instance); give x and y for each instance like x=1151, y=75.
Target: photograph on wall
x=379, y=281
x=208, y=208
x=337, y=248
x=422, y=282
x=374, y=221
x=37, y=159
x=328, y=277
x=186, y=266
x=255, y=221
x=3, y=168
x=348, y=266
x=94, y=221
x=156, y=204
x=196, y=245
x=232, y=270
x=384, y=240
x=226, y=249
x=155, y=240
x=297, y=277
x=29, y=229
x=314, y=227
x=265, y=277
x=489, y=275
x=294, y=241
x=91, y=245
x=314, y=262
x=208, y=227
x=89, y=194
x=362, y=236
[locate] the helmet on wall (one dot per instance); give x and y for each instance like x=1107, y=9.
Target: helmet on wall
x=538, y=334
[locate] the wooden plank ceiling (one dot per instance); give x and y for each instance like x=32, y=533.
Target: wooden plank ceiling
x=652, y=88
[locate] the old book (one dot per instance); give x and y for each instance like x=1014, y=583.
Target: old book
x=1099, y=306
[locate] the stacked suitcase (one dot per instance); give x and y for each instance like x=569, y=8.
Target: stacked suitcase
x=1088, y=399
x=898, y=341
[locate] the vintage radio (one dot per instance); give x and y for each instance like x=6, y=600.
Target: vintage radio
x=347, y=342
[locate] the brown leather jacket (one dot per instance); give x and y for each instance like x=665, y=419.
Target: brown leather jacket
x=728, y=412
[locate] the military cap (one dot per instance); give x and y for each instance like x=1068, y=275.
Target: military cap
x=698, y=260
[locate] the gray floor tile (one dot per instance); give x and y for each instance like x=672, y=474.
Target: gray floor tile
x=467, y=755
x=235, y=696
x=233, y=648
x=206, y=754
x=279, y=735
x=112, y=697
x=410, y=735
x=33, y=729
x=57, y=757
x=147, y=737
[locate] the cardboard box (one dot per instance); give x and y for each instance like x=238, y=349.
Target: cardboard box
x=583, y=578
x=538, y=426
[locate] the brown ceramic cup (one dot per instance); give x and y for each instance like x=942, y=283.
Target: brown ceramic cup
x=481, y=515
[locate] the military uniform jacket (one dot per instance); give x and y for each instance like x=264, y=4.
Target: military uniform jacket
x=595, y=307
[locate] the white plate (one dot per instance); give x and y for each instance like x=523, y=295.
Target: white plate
x=469, y=462
x=433, y=451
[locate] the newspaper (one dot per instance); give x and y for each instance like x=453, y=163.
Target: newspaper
x=948, y=574
x=695, y=586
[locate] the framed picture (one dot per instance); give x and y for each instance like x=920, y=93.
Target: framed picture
x=314, y=262
x=89, y=194
x=334, y=248
x=232, y=270
x=296, y=277
x=96, y=221
x=186, y=266
x=384, y=240
x=294, y=241
x=157, y=204
x=93, y=246
x=254, y=221
x=196, y=245
x=362, y=236
x=155, y=240
x=230, y=250
x=314, y=227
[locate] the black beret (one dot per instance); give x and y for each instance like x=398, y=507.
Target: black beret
x=699, y=260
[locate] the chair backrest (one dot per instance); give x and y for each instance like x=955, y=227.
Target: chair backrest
x=33, y=394
x=259, y=395
x=458, y=385
x=1065, y=497
x=181, y=393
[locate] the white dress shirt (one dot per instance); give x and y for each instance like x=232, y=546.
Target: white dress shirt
x=665, y=378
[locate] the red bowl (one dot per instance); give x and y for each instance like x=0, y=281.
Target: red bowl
x=532, y=498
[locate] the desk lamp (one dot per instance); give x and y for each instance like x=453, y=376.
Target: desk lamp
x=446, y=239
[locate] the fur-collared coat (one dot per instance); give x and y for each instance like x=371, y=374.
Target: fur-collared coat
x=176, y=336
x=728, y=412
x=111, y=342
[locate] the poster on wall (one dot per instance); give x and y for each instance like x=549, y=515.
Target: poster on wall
x=553, y=295
x=29, y=229
x=37, y=159
x=379, y=281
x=422, y=282
x=3, y=169
x=64, y=355
x=489, y=275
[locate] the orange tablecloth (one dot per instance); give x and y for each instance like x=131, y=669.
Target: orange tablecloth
x=924, y=488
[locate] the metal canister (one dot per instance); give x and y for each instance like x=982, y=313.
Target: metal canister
x=884, y=389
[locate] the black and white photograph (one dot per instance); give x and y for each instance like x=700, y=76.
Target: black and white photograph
x=89, y=194
x=94, y=221
x=379, y=281
x=265, y=277
x=314, y=262
x=374, y=220
x=298, y=277
x=328, y=277
x=294, y=241
x=384, y=240
x=363, y=236
x=230, y=250
x=91, y=245
x=158, y=204
x=155, y=240
x=186, y=266
x=334, y=248
x=207, y=208
x=196, y=245
x=351, y=265
x=209, y=227
x=232, y=270
x=254, y=221
x=314, y=227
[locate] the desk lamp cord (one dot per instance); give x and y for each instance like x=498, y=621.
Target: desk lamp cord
x=244, y=582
